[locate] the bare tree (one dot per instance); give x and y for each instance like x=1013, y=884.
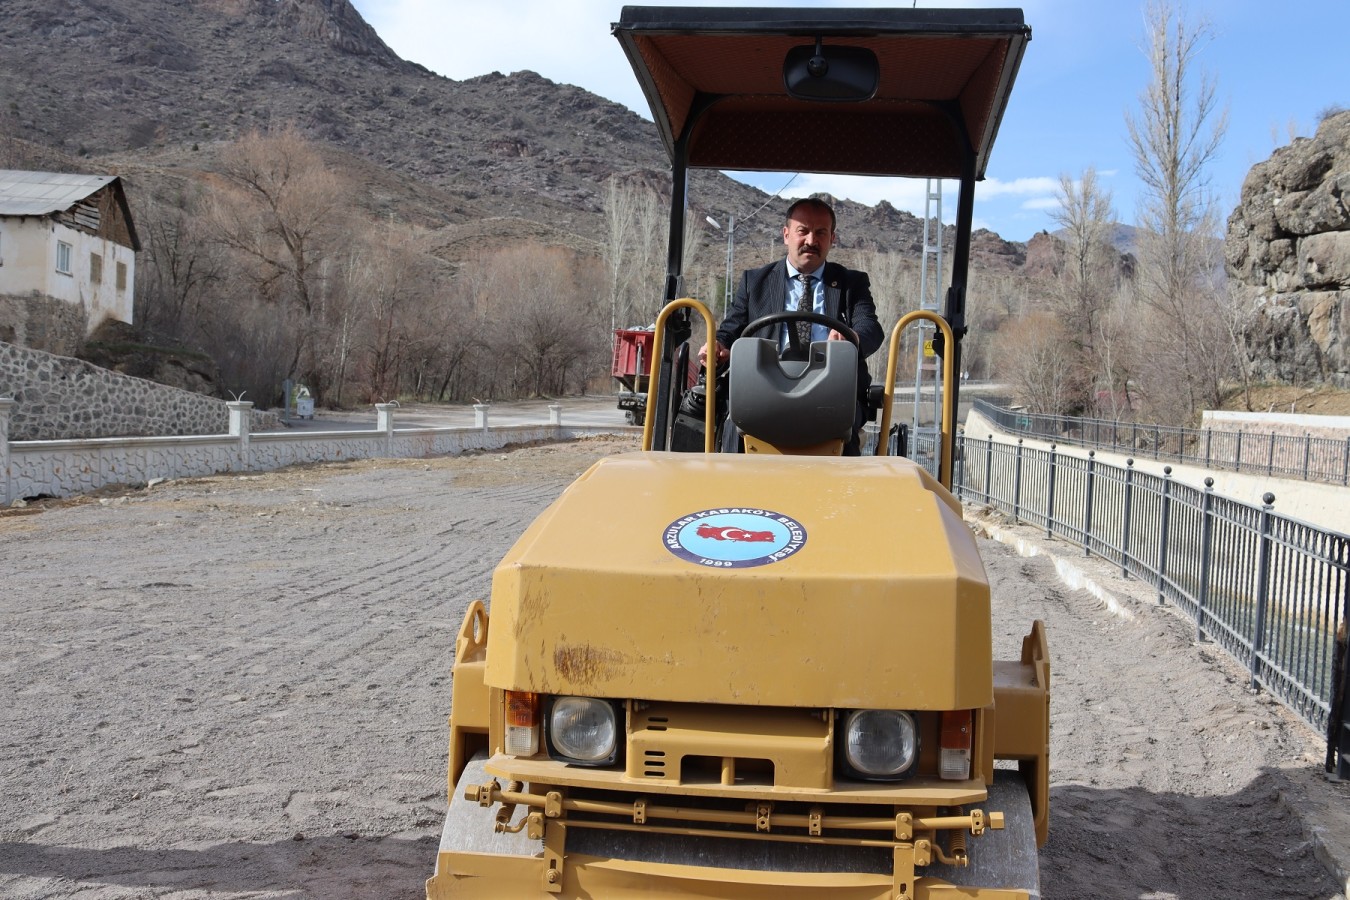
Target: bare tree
x=1113, y=399
x=283, y=215
x=391, y=285
x=541, y=310
x=1032, y=359
x=1241, y=311
x=895, y=283
x=634, y=252
x=646, y=286
x=1085, y=285
x=1173, y=137
x=994, y=300
x=619, y=200
x=895, y=290
x=180, y=269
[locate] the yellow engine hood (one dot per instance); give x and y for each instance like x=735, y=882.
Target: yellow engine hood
x=767, y=580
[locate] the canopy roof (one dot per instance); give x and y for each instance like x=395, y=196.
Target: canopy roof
x=714, y=79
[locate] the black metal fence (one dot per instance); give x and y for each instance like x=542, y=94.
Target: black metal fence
x=1272, y=590
x=1325, y=460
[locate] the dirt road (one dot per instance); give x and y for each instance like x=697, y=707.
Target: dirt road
x=237, y=687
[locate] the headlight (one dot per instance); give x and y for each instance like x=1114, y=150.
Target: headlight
x=583, y=730
x=880, y=743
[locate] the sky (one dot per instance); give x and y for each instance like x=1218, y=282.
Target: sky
x=1277, y=66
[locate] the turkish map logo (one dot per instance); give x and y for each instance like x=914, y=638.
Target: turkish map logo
x=734, y=538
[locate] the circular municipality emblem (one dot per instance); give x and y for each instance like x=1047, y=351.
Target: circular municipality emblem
x=734, y=538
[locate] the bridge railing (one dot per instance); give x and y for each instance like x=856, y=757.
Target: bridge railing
x=1320, y=459
x=1271, y=590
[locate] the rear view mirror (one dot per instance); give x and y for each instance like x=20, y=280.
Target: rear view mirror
x=836, y=74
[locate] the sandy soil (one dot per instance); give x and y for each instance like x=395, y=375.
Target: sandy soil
x=237, y=687
x=1322, y=399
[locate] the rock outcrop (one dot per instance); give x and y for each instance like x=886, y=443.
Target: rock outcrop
x=1288, y=255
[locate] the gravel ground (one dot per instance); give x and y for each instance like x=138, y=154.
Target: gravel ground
x=237, y=687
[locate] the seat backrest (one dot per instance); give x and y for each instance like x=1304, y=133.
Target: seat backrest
x=793, y=403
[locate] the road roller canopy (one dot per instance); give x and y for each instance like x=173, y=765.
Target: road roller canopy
x=907, y=92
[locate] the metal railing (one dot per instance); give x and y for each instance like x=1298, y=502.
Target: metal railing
x=1325, y=460
x=1271, y=590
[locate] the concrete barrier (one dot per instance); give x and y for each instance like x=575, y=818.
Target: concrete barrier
x=65, y=468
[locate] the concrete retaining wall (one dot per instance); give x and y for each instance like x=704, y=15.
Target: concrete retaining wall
x=65, y=468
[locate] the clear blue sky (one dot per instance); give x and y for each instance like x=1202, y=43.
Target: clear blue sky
x=1277, y=65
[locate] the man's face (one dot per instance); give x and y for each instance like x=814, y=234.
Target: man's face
x=808, y=237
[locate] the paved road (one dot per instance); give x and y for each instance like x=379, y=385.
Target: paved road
x=600, y=410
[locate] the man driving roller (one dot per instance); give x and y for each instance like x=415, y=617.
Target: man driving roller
x=805, y=281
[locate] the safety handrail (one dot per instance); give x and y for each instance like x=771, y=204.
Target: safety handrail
x=654, y=380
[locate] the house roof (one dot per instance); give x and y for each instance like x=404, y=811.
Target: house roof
x=43, y=193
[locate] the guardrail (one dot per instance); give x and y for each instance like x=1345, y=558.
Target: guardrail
x=1325, y=460
x=1271, y=590
x=63, y=468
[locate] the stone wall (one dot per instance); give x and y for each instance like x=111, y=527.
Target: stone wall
x=1288, y=255
x=60, y=398
x=42, y=323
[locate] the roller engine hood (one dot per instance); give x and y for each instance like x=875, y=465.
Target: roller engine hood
x=761, y=580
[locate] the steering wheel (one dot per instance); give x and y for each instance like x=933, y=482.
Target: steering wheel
x=800, y=315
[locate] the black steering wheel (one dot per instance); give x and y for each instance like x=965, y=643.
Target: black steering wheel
x=794, y=346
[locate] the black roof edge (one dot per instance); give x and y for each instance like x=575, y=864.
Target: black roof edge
x=750, y=20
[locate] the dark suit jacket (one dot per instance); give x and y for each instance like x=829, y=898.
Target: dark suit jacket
x=848, y=297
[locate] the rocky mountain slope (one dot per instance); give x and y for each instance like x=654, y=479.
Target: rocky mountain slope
x=148, y=88
x=1288, y=252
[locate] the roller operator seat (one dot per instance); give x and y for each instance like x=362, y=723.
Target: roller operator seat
x=794, y=406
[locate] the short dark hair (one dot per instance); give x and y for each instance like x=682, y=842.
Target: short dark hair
x=814, y=203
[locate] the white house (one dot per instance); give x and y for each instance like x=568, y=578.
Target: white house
x=70, y=237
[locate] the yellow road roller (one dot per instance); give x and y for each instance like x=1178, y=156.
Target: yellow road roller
x=745, y=665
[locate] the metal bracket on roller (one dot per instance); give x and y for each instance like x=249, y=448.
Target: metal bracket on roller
x=482, y=794
x=555, y=840
x=903, y=872
x=534, y=823
x=980, y=820
x=763, y=815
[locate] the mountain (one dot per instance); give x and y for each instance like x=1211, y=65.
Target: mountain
x=150, y=88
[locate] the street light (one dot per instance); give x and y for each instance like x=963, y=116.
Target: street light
x=731, y=240
x=731, y=251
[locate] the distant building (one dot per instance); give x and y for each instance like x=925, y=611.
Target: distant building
x=70, y=238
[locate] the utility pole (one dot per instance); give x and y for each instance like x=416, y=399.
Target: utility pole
x=927, y=364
